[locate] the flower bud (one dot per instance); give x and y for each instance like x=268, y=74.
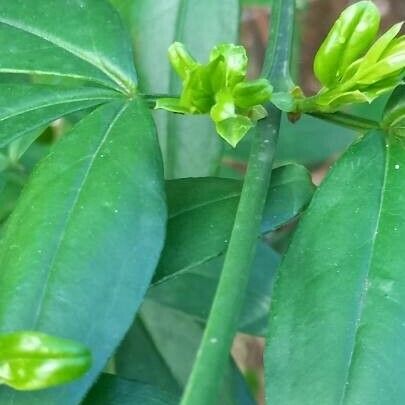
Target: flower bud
x=183, y=63
x=34, y=360
x=385, y=59
x=349, y=38
x=255, y=92
x=235, y=63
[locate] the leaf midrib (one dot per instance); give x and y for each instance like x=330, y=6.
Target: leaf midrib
x=69, y=216
x=65, y=101
x=197, y=206
x=85, y=56
x=364, y=291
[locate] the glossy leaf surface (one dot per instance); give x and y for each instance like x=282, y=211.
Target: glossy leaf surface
x=192, y=291
x=112, y=390
x=78, y=39
x=202, y=211
x=26, y=107
x=152, y=340
x=337, y=315
x=190, y=144
x=82, y=269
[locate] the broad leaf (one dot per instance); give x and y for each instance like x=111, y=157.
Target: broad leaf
x=168, y=340
x=193, y=290
x=26, y=107
x=337, y=321
x=112, y=390
x=71, y=38
x=202, y=212
x=95, y=212
x=190, y=144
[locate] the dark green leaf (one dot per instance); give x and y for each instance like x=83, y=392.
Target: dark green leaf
x=193, y=291
x=337, y=320
x=25, y=107
x=82, y=244
x=73, y=38
x=112, y=390
x=168, y=340
x=202, y=211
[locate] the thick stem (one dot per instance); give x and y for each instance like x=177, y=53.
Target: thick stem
x=222, y=323
x=206, y=376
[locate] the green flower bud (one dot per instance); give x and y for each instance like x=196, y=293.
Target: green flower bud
x=233, y=67
x=224, y=107
x=249, y=94
x=183, y=63
x=34, y=360
x=349, y=38
x=219, y=87
x=386, y=58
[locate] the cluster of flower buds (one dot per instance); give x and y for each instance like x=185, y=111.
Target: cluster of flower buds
x=351, y=65
x=219, y=88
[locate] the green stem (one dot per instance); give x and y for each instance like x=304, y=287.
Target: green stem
x=151, y=99
x=206, y=376
x=347, y=120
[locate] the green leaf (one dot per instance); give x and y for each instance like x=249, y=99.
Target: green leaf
x=202, y=211
x=17, y=148
x=112, y=390
x=71, y=38
x=190, y=144
x=337, y=321
x=26, y=107
x=394, y=114
x=10, y=187
x=153, y=340
x=192, y=291
x=33, y=360
x=93, y=242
